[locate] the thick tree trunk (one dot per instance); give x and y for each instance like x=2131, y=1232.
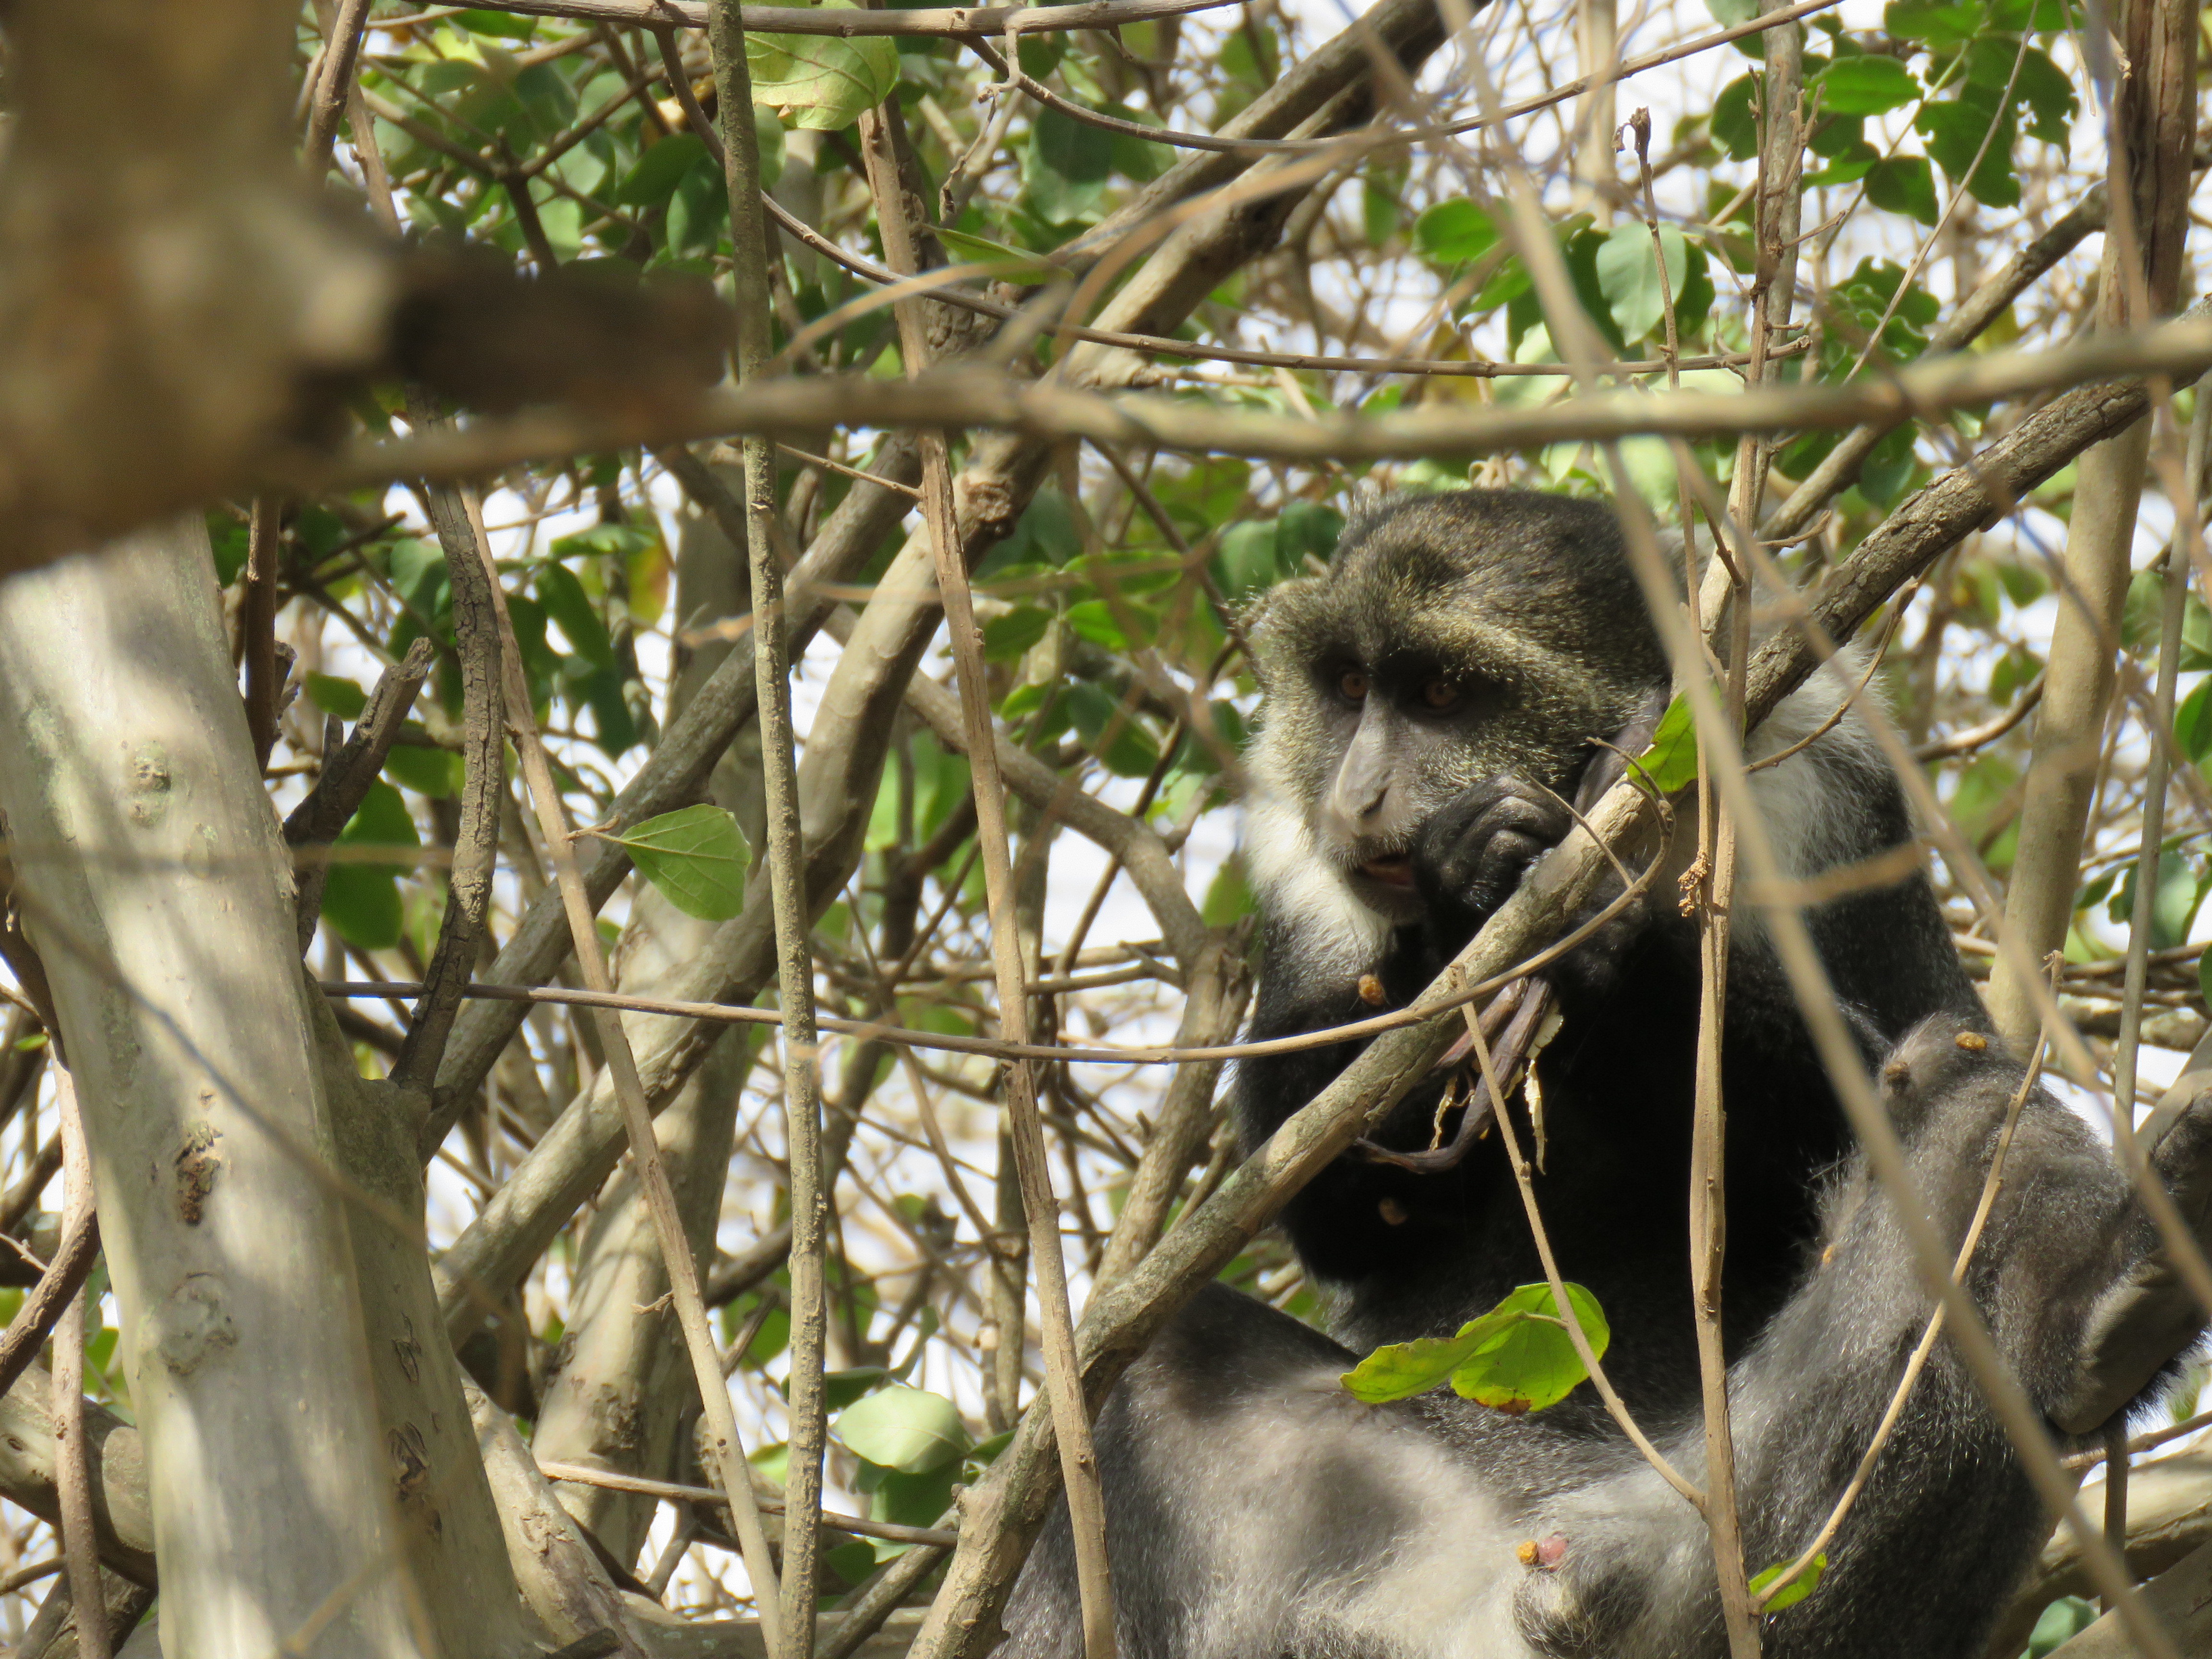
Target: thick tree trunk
x=156, y=887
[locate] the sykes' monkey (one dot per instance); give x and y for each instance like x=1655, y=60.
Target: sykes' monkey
x=1431, y=702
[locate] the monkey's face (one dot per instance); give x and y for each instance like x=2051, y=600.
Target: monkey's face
x=1454, y=638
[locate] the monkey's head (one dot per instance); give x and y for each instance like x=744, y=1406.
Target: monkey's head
x=1454, y=638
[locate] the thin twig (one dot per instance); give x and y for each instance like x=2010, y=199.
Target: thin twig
x=786, y=859
x=1063, y=1374
x=484, y=784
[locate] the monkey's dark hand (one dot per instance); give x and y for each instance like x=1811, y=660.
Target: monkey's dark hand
x=1473, y=850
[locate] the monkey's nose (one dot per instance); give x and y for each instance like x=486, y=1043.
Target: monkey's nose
x=1358, y=802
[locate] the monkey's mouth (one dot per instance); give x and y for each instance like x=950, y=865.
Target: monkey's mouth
x=1396, y=870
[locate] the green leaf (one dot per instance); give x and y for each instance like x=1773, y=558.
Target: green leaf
x=1006, y=264
x=661, y=168
x=1527, y=1360
x=2048, y=97
x=427, y=771
x=1904, y=184
x=841, y=1388
x=1628, y=273
x=361, y=900
x=562, y=594
x=1939, y=21
x=1806, y=1580
x=334, y=695
x=695, y=857
x=1064, y=167
x=1306, y=528
x=1094, y=620
x=1729, y=13
x=1956, y=128
x=1399, y=1370
x=1865, y=85
x=1007, y=637
x=1734, y=128
x=1671, y=762
x=1454, y=231
x=1516, y=1358
x=821, y=81
x=905, y=1428
x=1129, y=752
x=2192, y=723
x=1248, y=559
x=1136, y=158
x=2064, y=1619
x=504, y=25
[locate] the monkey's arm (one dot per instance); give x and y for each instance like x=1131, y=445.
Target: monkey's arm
x=1934, y=1543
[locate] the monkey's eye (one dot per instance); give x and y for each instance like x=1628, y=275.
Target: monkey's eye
x=1353, y=684
x=1439, y=693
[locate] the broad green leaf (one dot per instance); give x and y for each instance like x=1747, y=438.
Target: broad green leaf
x=1526, y=1360
x=661, y=168
x=427, y=771
x=1806, y=1580
x=363, y=905
x=1734, y=128
x=1957, y=130
x=905, y=1428
x=1729, y=13
x=1064, y=167
x=362, y=900
x=1094, y=620
x=1399, y=1370
x=1628, y=272
x=1228, y=897
x=1904, y=184
x=1941, y=21
x=505, y=24
x=1452, y=233
x=695, y=857
x=1108, y=730
x=1136, y=158
x=565, y=601
x=334, y=695
x=1004, y=265
x=1247, y=559
x=2064, y=1619
x=2192, y=723
x=1517, y=1357
x=1865, y=85
x=1582, y=248
x=841, y=1388
x=1305, y=528
x=821, y=81
x=2048, y=95
x=1671, y=762
x=1007, y=637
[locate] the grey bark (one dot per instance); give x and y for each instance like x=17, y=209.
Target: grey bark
x=124, y=1525
x=675, y=776
x=616, y=1398
x=157, y=889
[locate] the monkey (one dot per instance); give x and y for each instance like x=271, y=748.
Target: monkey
x=1429, y=703
x=1254, y=1507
